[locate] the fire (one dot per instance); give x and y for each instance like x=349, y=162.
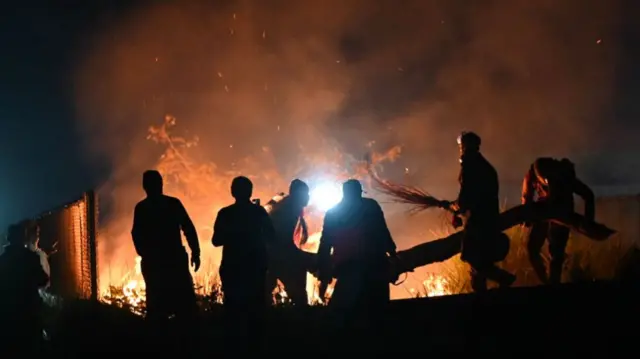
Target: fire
x=129, y=292
x=435, y=285
x=203, y=188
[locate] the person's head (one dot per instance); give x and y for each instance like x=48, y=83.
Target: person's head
x=241, y=189
x=32, y=233
x=469, y=142
x=16, y=235
x=152, y=182
x=299, y=192
x=550, y=168
x=351, y=189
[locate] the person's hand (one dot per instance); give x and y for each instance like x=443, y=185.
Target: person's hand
x=456, y=222
x=444, y=204
x=195, y=262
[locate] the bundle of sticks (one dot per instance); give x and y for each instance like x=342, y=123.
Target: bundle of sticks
x=417, y=198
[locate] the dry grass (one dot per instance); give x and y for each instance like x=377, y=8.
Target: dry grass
x=586, y=260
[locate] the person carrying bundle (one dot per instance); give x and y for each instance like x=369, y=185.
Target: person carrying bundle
x=477, y=209
x=553, y=182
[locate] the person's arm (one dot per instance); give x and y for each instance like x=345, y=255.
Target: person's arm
x=40, y=277
x=189, y=230
x=324, y=252
x=305, y=230
x=582, y=190
x=467, y=191
x=137, y=231
x=383, y=231
x=220, y=231
x=527, y=186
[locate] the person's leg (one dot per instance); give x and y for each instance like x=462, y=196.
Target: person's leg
x=498, y=275
x=186, y=310
x=478, y=279
x=156, y=318
x=257, y=313
x=156, y=303
x=234, y=317
x=474, y=253
x=496, y=250
x=345, y=307
x=558, y=239
x=271, y=283
x=537, y=236
x=375, y=302
x=186, y=300
x=295, y=283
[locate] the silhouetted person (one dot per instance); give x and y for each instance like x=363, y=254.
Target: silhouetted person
x=21, y=275
x=357, y=232
x=286, y=261
x=553, y=182
x=478, y=202
x=157, y=225
x=243, y=229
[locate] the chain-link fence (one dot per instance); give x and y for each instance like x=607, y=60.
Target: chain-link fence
x=68, y=234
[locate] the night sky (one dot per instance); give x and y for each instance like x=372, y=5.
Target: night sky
x=43, y=162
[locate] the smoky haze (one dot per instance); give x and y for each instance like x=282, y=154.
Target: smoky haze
x=532, y=78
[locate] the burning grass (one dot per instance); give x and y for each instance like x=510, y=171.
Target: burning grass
x=200, y=184
x=586, y=261
x=130, y=293
x=203, y=188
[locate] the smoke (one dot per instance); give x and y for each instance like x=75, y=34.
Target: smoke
x=303, y=78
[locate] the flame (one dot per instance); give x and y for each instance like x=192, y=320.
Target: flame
x=203, y=188
x=435, y=285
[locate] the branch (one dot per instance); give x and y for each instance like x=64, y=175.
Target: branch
x=414, y=196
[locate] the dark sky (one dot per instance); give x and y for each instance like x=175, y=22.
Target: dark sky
x=43, y=163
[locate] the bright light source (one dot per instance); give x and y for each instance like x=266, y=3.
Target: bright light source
x=326, y=195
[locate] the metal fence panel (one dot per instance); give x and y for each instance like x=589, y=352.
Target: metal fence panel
x=71, y=229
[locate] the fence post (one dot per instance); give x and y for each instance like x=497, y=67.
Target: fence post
x=92, y=221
